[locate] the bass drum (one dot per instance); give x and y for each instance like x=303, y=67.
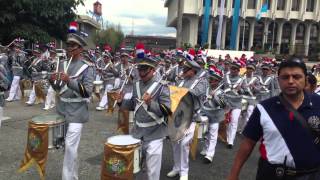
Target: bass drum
x=182, y=106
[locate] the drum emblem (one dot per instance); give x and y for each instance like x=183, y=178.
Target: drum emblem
x=116, y=165
x=34, y=141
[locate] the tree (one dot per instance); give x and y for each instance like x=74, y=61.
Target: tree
x=112, y=35
x=36, y=20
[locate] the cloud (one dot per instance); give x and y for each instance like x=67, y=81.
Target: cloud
x=144, y=17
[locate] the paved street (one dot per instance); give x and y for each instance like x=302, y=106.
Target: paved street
x=13, y=136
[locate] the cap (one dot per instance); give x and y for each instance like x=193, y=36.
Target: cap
x=147, y=61
x=215, y=72
x=75, y=38
x=191, y=64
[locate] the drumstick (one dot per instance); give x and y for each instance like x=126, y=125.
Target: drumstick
x=66, y=70
x=123, y=84
x=57, y=69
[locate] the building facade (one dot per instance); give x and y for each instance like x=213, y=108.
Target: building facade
x=90, y=26
x=288, y=26
x=154, y=43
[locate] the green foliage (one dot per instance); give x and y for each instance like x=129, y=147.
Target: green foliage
x=36, y=19
x=112, y=35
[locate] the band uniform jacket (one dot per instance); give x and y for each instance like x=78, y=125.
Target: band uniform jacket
x=232, y=84
x=73, y=98
x=214, y=104
x=249, y=89
x=17, y=63
x=268, y=87
x=197, y=87
x=4, y=84
x=158, y=107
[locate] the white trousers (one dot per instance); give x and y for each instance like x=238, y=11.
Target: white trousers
x=15, y=93
x=104, y=99
x=181, y=151
x=211, y=139
x=32, y=96
x=50, y=98
x=233, y=125
x=70, y=161
x=153, y=156
x=245, y=119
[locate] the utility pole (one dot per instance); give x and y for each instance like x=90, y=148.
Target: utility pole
x=179, y=23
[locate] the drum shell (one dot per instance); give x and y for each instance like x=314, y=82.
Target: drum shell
x=56, y=132
x=119, y=150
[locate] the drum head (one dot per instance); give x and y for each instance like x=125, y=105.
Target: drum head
x=47, y=119
x=123, y=140
x=181, y=119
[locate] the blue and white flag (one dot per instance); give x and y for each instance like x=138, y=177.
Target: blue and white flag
x=263, y=9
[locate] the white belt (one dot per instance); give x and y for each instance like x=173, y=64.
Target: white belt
x=249, y=97
x=211, y=109
x=74, y=100
x=1, y=93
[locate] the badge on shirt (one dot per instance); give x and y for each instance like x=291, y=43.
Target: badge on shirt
x=314, y=122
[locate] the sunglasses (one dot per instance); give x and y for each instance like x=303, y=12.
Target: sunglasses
x=143, y=68
x=287, y=77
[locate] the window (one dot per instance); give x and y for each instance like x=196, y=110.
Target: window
x=310, y=5
x=295, y=5
x=252, y=4
x=281, y=4
x=225, y=3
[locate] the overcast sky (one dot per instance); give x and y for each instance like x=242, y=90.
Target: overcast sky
x=148, y=16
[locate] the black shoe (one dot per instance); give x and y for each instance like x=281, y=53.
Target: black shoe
x=229, y=146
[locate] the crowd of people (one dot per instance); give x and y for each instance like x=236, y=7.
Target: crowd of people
x=230, y=92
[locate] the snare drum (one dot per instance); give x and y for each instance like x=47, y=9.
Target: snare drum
x=98, y=85
x=122, y=156
x=57, y=129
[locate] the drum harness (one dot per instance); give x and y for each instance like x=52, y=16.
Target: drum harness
x=215, y=93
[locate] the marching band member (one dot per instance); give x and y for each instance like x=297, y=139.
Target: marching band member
x=4, y=84
x=108, y=75
x=77, y=76
x=18, y=59
x=151, y=107
x=213, y=108
x=232, y=83
x=249, y=89
x=268, y=83
x=193, y=79
x=50, y=100
x=37, y=66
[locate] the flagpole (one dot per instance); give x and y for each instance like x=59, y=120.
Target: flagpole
x=274, y=24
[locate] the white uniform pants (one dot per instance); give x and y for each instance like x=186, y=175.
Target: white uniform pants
x=70, y=161
x=211, y=139
x=50, y=98
x=15, y=93
x=153, y=157
x=181, y=151
x=104, y=100
x=233, y=125
x=32, y=96
x=245, y=119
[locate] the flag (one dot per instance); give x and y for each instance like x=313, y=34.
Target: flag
x=263, y=9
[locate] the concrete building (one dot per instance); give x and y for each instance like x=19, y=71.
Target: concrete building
x=289, y=26
x=155, y=43
x=89, y=26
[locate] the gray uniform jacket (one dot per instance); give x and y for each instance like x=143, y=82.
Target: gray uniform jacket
x=123, y=73
x=249, y=89
x=268, y=87
x=232, y=96
x=142, y=115
x=198, y=91
x=108, y=74
x=4, y=84
x=39, y=66
x=17, y=64
x=72, y=101
x=213, y=105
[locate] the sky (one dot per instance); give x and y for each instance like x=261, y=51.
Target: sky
x=148, y=17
